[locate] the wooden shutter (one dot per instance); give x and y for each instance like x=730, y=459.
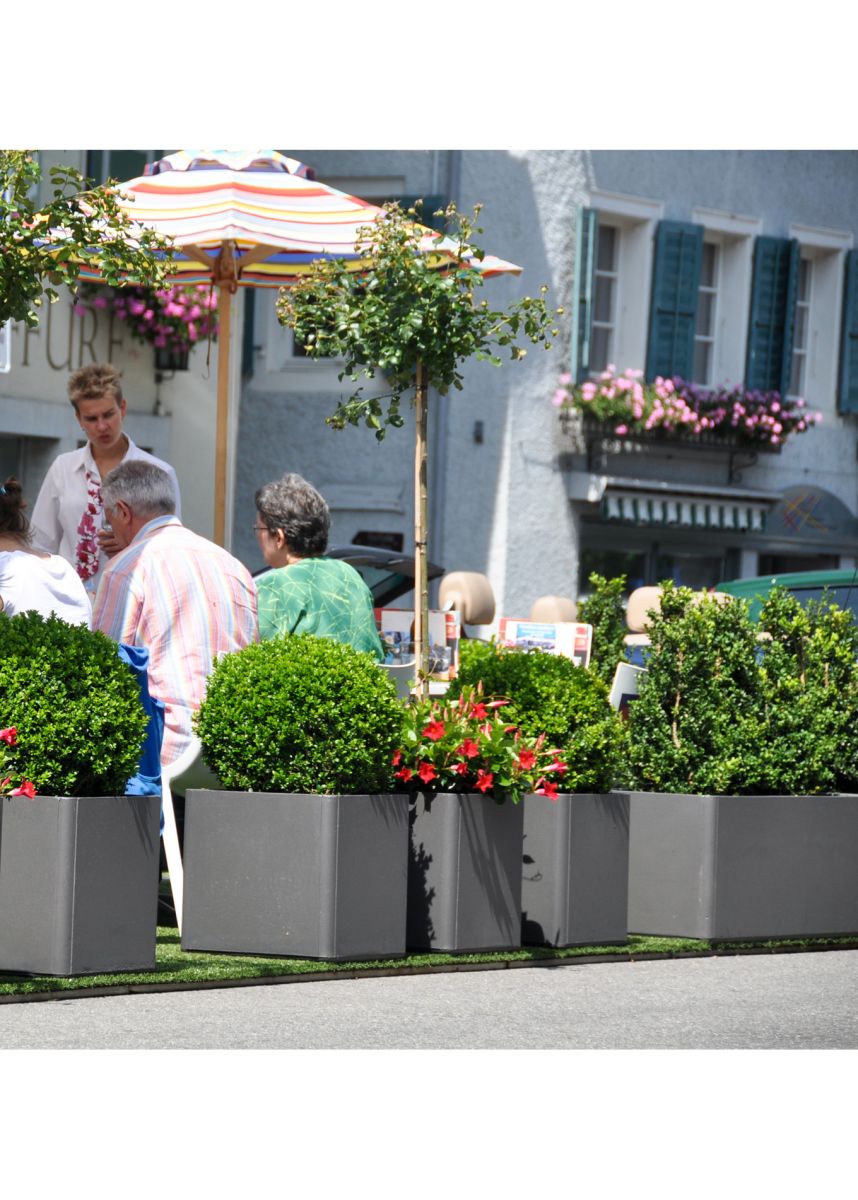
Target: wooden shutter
x=770, y=333
x=582, y=301
x=847, y=393
x=673, y=311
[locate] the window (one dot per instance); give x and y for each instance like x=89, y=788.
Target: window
x=613, y=260
x=604, y=298
x=801, y=329
x=847, y=394
x=707, y=311
x=119, y=164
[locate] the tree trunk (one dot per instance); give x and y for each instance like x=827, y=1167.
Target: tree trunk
x=421, y=534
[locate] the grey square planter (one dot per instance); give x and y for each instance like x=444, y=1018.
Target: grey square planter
x=295, y=875
x=725, y=867
x=79, y=884
x=575, y=878
x=464, y=873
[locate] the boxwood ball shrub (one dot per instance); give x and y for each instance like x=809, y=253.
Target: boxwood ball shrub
x=300, y=714
x=75, y=704
x=549, y=694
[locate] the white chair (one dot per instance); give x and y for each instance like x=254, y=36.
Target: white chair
x=188, y=771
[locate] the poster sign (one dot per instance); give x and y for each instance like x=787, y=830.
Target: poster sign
x=5, y=347
x=396, y=630
x=556, y=637
x=624, y=688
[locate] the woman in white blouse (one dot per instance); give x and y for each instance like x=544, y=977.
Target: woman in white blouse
x=67, y=516
x=31, y=580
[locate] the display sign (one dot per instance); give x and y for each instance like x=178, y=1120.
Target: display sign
x=625, y=686
x=5, y=347
x=556, y=637
x=396, y=630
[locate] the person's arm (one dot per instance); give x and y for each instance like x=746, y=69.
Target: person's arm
x=45, y=529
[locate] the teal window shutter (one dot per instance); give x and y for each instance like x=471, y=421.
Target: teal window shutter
x=673, y=311
x=582, y=300
x=770, y=332
x=847, y=394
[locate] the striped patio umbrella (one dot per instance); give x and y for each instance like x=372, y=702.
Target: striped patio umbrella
x=252, y=219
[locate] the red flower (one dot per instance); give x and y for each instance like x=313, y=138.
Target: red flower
x=558, y=765
x=478, y=712
x=461, y=768
x=397, y=758
x=427, y=772
x=405, y=774
x=10, y=735
x=526, y=759
x=548, y=789
x=468, y=748
x=434, y=731
x=497, y=703
x=484, y=782
x=26, y=789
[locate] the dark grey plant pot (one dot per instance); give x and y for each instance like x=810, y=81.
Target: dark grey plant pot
x=737, y=867
x=576, y=869
x=464, y=873
x=79, y=884
x=295, y=875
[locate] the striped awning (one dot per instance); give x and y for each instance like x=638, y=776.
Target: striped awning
x=688, y=509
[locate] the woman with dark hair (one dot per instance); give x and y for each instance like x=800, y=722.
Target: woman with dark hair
x=306, y=593
x=31, y=579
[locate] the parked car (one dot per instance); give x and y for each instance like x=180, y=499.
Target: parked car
x=840, y=586
x=388, y=574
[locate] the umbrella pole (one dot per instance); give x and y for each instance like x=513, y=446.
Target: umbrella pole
x=421, y=582
x=224, y=309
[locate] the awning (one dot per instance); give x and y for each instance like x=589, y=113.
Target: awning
x=681, y=505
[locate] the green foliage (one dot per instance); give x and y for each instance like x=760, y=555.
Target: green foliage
x=721, y=712
x=469, y=743
x=549, y=694
x=43, y=247
x=603, y=609
x=804, y=738
x=702, y=685
x=402, y=310
x=300, y=714
x=76, y=707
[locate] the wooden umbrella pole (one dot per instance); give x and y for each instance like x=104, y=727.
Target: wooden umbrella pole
x=421, y=581
x=224, y=307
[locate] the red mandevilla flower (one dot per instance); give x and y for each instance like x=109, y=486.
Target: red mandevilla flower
x=397, y=758
x=547, y=788
x=526, y=759
x=479, y=711
x=484, y=781
x=405, y=774
x=461, y=768
x=26, y=789
x=427, y=772
x=10, y=735
x=468, y=748
x=434, y=731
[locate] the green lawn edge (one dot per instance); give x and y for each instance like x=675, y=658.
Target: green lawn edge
x=178, y=968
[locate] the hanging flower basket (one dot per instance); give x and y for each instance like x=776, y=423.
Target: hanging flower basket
x=171, y=319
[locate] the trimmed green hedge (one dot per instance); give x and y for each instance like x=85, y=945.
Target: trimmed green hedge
x=549, y=694
x=75, y=703
x=300, y=714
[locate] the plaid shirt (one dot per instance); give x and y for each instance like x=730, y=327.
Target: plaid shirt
x=187, y=601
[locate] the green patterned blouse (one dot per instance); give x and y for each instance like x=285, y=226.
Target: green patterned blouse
x=323, y=596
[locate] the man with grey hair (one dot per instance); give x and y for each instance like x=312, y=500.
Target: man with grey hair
x=168, y=589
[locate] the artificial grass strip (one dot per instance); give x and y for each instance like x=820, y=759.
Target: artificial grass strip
x=186, y=969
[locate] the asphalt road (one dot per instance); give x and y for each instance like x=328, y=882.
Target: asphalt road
x=786, y=1001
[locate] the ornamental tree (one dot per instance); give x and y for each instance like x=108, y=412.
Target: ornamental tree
x=42, y=247
x=413, y=317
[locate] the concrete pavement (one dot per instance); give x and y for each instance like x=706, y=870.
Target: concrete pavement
x=787, y=1001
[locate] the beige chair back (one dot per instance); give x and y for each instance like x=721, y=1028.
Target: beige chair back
x=470, y=594
x=641, y=600
x=554, y=608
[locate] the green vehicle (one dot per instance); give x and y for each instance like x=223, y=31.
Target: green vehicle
x=841, y=587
